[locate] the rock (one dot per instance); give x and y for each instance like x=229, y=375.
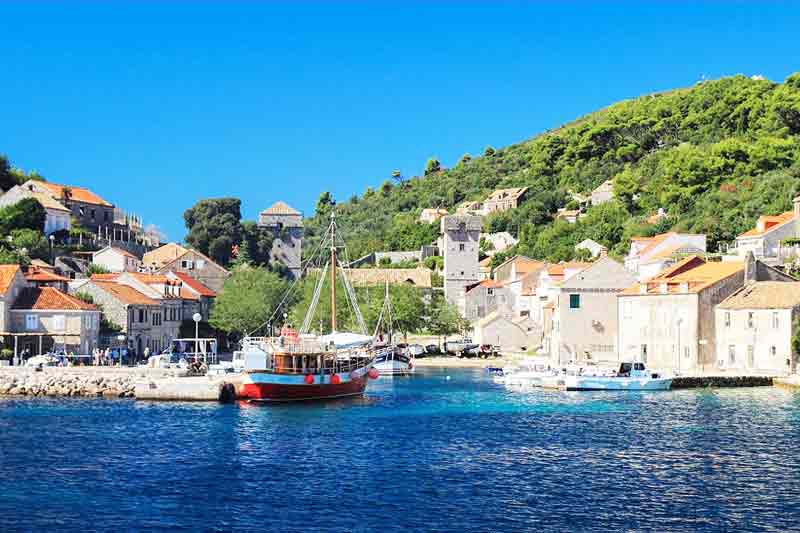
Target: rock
x=111, y=393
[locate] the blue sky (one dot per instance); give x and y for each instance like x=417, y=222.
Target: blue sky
x=155, y=105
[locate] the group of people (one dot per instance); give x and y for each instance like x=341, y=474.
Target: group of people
x=111, y=356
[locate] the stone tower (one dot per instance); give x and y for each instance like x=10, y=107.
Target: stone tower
x=460, y=241
x=286, y=224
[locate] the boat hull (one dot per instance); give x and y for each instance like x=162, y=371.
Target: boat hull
x=588, y=383
x=270, y=387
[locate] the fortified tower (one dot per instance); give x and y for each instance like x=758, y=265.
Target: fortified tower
x=286, y=225
x=460, y=241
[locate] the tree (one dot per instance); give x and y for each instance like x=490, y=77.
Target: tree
x=242, y=256
x=247, y=299
x=466, y=158
x=7, y=178
x=444, y=319
x=325, y=203
x=488, y=151
x=25, y=214
x=95, y=268
x=214, y=225
x=31, y=240
x=432, y=166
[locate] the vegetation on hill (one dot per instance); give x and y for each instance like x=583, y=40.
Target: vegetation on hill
x=714, y=156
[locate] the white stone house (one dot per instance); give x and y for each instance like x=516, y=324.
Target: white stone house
x=510, y=334
x=430, y=215
x=764, y=240
x=486, y=297
x=584, y=322
x=116, y=259
x=650, y=255
x=504, y=199
x=498, y=242
x=603, y=193
x=755, y=326
x=593, y=247
x=57, y=217
x=668, y=321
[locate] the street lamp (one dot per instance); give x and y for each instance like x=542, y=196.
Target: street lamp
x=197, y=317
x=121, y=339
x=52, y=241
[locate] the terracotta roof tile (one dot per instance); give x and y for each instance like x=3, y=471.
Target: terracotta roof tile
x=280, y=208
x=769, y=222
x=50, y=299
x=40, y=274
x=693, y=272
x=7, y=273
x=79, y=194
x=164, y=254
x=124, y=293
x=195, y=285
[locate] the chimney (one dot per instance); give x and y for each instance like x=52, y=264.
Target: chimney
x=750, y=266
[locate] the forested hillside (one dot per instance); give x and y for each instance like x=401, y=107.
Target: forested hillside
x=714, y=156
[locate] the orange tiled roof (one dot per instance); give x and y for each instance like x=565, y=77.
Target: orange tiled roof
x=124, y=293
x=655, y=241
x=164, y=254
x=40, y=274
x=186, y=294
x=50, y=299
x=79, y=194
x=7, y=273
x=769, y=222
x=195, y=285
x=104, y=277
x=47, y=201
x=693, y=271
x=151, y=279
x=280, y=208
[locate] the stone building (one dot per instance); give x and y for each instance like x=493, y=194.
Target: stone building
x=173, y=257
x=57, y=217
x=65, y=321
x=650, y=255
x=603, y=193
x=518, y=334
x=286, y=225
x=584, y=320
x=461, y=239
x=486, y=297
x=197, y=298
x=764, y=240
x=116, y=259
x=504, y=199
x=755, y=326
x=668, y=321
x=12, y=282
x=86, y=208
x=430, y=215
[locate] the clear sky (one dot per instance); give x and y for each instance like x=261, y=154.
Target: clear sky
x=155, y=105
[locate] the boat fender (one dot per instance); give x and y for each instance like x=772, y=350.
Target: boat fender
x=335, y=379
x=410, y=365
x=373, y=373
x=309, y=379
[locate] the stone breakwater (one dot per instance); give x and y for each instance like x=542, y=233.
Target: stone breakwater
x=86, y=382
x=697, y=382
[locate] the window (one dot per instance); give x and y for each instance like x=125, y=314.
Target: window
x=750, y=320
x=644, y=353
x=774, y=320
x=731, y=354
x=574, y=301
x=490, y=291
x=773, y=351
x=31, y=322
x=186, y=264
x=461, y=247
x=750, y=356
x=105, y=216
x=59, y=322
x=92, y=214
x=141, y=315
x=727, y=319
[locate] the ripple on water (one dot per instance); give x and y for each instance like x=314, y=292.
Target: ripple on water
x=423, y=454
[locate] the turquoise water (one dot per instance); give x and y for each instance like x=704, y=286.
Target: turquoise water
x=426, y=453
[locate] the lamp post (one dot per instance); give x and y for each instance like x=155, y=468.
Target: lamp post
x=121, y=339
x=197, y=317
x=52, y=241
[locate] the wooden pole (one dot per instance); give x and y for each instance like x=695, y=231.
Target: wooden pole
x=333, y=272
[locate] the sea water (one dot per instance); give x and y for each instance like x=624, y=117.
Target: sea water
x=445, y=450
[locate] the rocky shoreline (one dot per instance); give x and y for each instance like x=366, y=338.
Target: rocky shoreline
x=89, y=382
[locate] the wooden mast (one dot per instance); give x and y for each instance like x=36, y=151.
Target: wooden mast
x=333, y=272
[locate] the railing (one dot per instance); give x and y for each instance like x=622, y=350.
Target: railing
x=307, y=356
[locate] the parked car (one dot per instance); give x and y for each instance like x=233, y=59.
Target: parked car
x=433, y=349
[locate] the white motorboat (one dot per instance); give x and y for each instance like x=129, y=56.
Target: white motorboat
x=527, y=373
x=394, y=362
x=629, y=377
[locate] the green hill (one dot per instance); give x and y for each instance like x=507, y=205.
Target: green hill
x=714, y=156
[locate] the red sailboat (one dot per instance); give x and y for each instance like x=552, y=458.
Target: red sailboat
x=298, y=365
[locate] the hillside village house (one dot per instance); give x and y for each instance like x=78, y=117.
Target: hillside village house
x=755, y=326
x=764, y=240
x=40, y=277
x=57, y=217
x=498, y=242
x=485, y=268
x=87, y=208
x=197, y=298
x=668, y=321
x=12, y=282
x=504, y=199
x=584, y=320
x=570, y=216
x=173, y=257
x=520, y=275
x=594, y=248
x=603, y=193
x=650, y=255
x=470, y=208
x=429, y=215
x=116, y=259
